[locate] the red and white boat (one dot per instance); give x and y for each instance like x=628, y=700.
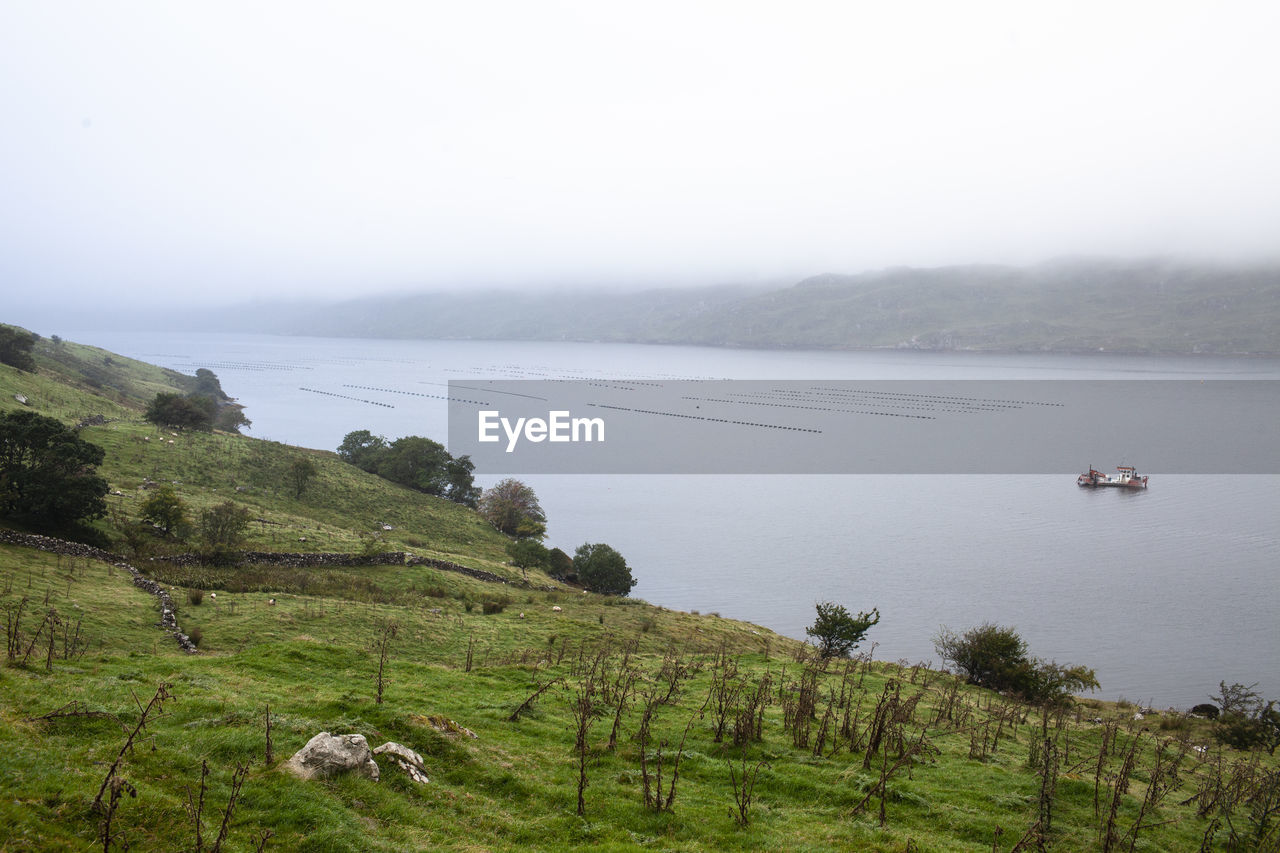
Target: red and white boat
x=1126, y=477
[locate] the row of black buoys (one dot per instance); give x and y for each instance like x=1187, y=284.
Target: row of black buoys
x=417, y=394
x=834, y=409
x=345, y=397
x=260, y=366
x=687, y=416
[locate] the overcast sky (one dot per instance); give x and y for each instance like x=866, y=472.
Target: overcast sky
x=282, y=148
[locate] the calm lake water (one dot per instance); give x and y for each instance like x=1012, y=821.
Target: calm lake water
x=1164, y=592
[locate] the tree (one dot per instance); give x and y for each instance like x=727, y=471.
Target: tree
x=48, y=474
x=513, y=508
x=301, y=470
x=559, y=563
x=412, y=461
x=231, y=418
x=460, y=484
x=602, y=569
x=1246, y=720
x=222, y=527
x=416, y=462
x=996, y=657
x=207, y=385
x=15, y=348
x=837, y=632
x=528, y=554
x=165, y=510
x=175, y=410
x=362, y=449
x=988, y=655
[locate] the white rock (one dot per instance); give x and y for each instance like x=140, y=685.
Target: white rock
x=326, y=755
x=406, y=759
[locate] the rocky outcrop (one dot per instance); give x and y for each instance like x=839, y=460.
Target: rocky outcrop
x=406, y=759
x=328, y=755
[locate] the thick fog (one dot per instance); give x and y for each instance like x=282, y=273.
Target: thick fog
x=157, y=152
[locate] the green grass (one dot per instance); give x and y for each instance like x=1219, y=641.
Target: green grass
x=310, y=657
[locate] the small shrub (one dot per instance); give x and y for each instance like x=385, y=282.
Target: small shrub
x=468, y=604
x=195, y=635
x=997, y=658
x=195, y=597
x=491, y=607
x=837, y=631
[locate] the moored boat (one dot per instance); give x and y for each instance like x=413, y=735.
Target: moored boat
x=1126, y=477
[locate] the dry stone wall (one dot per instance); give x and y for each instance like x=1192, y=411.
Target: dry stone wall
x=168, y=613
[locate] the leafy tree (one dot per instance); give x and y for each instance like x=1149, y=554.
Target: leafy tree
x=48, y=473
x=222, y=527
x=513, y=508
x=1237, y=698
x=416, y=462
x=528, y=554
x=1052, y=683
x=602, y=569
x=413, y=461
x=1246, y=720
x=231, y=418
x=207, y=385
x=460, y=484
x=15, y=348
x=165, y=510
x=996, y=657
x=838, y=632
x=362, y=449
x=175, y=410
x=988, y=655
x=301, y=470
x=559, y=563
x=207, y=406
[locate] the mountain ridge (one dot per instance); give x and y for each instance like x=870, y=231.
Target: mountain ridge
x=1153, y=306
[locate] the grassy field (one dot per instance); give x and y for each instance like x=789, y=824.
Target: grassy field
x=959, y=768
x=691, y=732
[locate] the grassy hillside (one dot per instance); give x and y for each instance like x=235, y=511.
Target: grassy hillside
x=962, y=769
x=746, y=739
x=342, y=509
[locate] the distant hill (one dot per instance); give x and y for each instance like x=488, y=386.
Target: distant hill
x=1150, y=306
